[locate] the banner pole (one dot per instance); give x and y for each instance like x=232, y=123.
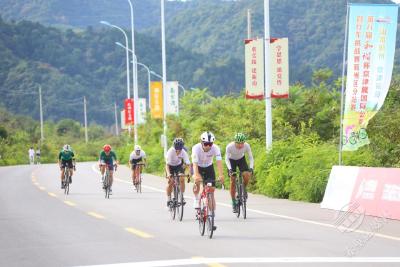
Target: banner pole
x=342, y=91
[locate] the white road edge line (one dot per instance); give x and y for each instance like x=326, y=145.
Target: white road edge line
x=284, y=260
x=395, y=238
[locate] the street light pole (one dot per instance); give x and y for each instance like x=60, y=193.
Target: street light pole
x=85, y=114
x=268, y=105
x=41, y=114
x=127, y=64
x=164, y=74
x=135, y=79
x=141, y=64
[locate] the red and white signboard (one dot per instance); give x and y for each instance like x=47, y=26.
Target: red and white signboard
x=279, y=68
x=375, y=190
x=254, y=68
x=129, y=111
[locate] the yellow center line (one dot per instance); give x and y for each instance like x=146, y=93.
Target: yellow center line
x=42, y=188
x=52, y=194
x=214, y=264
x=138, y=233
x=70, y=203
x=96, y=215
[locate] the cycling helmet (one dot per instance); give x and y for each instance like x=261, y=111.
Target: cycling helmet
x=67, y=147
x=137, y=148
x=107, y=148
x=178, y=143
x=207, y=137
x=240, y=138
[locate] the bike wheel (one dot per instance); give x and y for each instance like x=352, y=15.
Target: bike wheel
x=140, y=183
x=172, y=208
x=202, y=223
x=210, y=224
x=106, y=187
x=238, y=199
x=244, y=202
x=180, y=206
x=66, y=182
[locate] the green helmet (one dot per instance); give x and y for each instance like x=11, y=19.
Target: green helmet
x=240, y=138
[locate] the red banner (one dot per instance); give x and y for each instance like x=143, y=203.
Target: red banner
x=129, y=111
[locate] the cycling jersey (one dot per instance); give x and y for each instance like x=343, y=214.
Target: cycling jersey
x=175, y=160
x=233, y=153
x=66, y=155
x=205, y=159
x=108, y=158
x=133, y=156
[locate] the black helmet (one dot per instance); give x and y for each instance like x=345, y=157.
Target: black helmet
x=178, y=143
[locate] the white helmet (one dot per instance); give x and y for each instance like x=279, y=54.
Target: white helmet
x=67, y=148
x=137, y=148
x=207, y=137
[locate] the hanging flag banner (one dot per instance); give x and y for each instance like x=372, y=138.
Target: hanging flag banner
x=172, y=95
x=156, y=96
x=279, y=68
x=254, y=68
x=129, y=111
x=371, y=47
x=142, y=110
x=123, y=125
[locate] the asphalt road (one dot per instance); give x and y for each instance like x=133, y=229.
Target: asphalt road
x=40, y=226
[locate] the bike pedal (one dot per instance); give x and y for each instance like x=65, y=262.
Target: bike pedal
x=214, y=227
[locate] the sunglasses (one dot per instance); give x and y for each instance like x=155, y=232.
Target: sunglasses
x=207, y=143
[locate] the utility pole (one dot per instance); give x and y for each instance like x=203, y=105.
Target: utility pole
x=116, y=118
x=84, y=111
x=249, y=24
x=41, y=114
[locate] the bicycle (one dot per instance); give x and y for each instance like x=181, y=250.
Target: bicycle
x=177, y=203
x=138, y=184
x=107, y=181
x=206, y=213
x=241, y=194
x=66, y=180
x=355, y=137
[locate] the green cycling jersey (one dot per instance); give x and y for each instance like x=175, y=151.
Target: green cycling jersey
x=108, y=158
x=66, y=155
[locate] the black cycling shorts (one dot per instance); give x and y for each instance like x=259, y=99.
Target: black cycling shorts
x=240, y=163
x=67, y=163
x=208, y=174
x=175, y=170
x=134, y=162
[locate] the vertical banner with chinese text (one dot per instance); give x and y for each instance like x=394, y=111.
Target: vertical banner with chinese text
x=371, y=47
x=129, y=111
x=156, y=95
x=254, y=68
x=142, y=110
x=172, y=96
x=279, y=68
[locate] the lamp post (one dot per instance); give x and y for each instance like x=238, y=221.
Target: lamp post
x=164, y=74
x=128, y=95
x=141, y=64
x=268, y=105
x=134, y=67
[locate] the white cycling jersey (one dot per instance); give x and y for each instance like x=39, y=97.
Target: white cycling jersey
x=205, y=159
x=175, y=160
x=134, y=156
x=233, y=153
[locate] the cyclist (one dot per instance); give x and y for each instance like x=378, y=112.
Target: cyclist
x=31, y=153
x=235, y=158
x=66, y=157
x=106, y=160
x=176, y=159
x=38, y=156
x=202, y=158
x=137, y=156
